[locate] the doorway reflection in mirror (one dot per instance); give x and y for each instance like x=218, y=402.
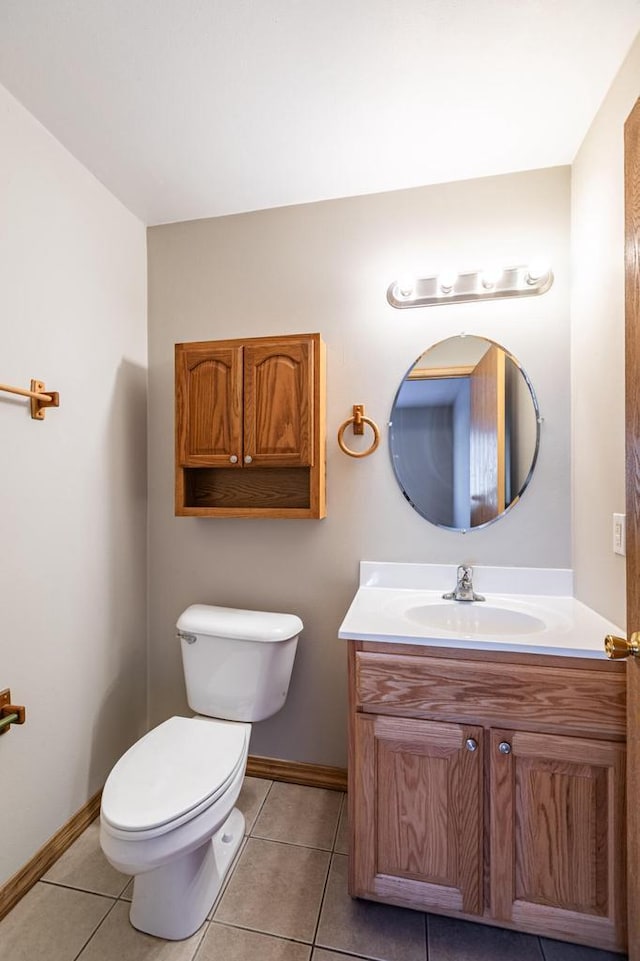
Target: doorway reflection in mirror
x=464, y=433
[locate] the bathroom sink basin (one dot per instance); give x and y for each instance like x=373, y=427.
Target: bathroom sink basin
x=499, y=618
x=474, y=618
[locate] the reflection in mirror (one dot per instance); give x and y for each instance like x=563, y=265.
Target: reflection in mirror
x=464, y=433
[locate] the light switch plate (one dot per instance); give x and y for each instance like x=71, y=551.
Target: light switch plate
x=619, y=534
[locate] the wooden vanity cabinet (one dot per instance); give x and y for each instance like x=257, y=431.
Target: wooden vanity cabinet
x=557, y=836
x=419, y=813
x=490, y=787
x=250, y=427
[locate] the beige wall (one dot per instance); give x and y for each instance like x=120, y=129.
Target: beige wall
x=72, y=528
x=326, y=267
x=597, y=323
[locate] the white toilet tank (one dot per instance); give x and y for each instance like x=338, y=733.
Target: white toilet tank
x=237, y=664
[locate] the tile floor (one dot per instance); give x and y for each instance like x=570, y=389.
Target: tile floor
x=285, y=900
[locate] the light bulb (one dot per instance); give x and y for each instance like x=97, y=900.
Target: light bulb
x=536, y=270
x=447, y=280
x=490, y=277
x=405, y=286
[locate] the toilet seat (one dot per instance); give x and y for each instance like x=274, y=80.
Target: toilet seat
x=171, y=775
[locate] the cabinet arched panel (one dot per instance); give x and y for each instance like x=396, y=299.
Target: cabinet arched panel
x=278, y=389
x=208, y=406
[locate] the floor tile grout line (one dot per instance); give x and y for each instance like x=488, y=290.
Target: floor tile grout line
x=322, y=898
x=260, y=807
x=426, y=935
x=95, y=931
x=227, y=879
x=204, y=929
x=292, y=844
x=267, y=934
x=206, y=925
x=335, y=833
x=344, y=953
x=76, y=887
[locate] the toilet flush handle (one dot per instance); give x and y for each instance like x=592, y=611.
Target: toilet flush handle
x=189, y=638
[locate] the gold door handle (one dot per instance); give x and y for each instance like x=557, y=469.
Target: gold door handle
x=618, y=647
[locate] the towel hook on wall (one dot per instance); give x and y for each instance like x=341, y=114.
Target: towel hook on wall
x=39, y=399
x=10, y=713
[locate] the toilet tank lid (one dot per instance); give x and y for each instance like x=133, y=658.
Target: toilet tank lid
x=238, y=624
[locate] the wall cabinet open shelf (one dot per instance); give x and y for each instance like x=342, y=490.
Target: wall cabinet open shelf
x=250, y=427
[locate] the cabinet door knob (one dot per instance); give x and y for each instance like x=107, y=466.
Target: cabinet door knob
x=233, y=459
x=471, y=744
x=504, y=747
x=248, y=458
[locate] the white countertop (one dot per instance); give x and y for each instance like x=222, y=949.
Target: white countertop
x=396, y=603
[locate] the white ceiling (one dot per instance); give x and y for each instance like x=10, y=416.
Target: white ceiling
x=196, y=108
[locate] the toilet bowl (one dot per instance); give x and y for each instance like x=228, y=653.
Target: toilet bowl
x=167, y=814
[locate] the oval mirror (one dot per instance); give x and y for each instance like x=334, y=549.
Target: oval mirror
x=464, y=433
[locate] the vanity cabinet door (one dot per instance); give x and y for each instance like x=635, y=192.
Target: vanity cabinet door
x=416, y=809
x=208, y=405
x=557, y=838
x=278, y=404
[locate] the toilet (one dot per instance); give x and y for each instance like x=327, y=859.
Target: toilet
x=167, y=814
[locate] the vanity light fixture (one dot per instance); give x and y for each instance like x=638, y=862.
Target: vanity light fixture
x=489, y=284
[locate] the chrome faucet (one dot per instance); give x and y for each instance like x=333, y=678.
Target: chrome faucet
x=464, y=586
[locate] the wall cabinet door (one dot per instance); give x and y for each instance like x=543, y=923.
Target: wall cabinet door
x=416, y=807
x=557, y=854
x=278, y=399
x=209, y=406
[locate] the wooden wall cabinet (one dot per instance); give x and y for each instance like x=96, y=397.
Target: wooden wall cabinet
x=490, y=788
x=250, y=427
